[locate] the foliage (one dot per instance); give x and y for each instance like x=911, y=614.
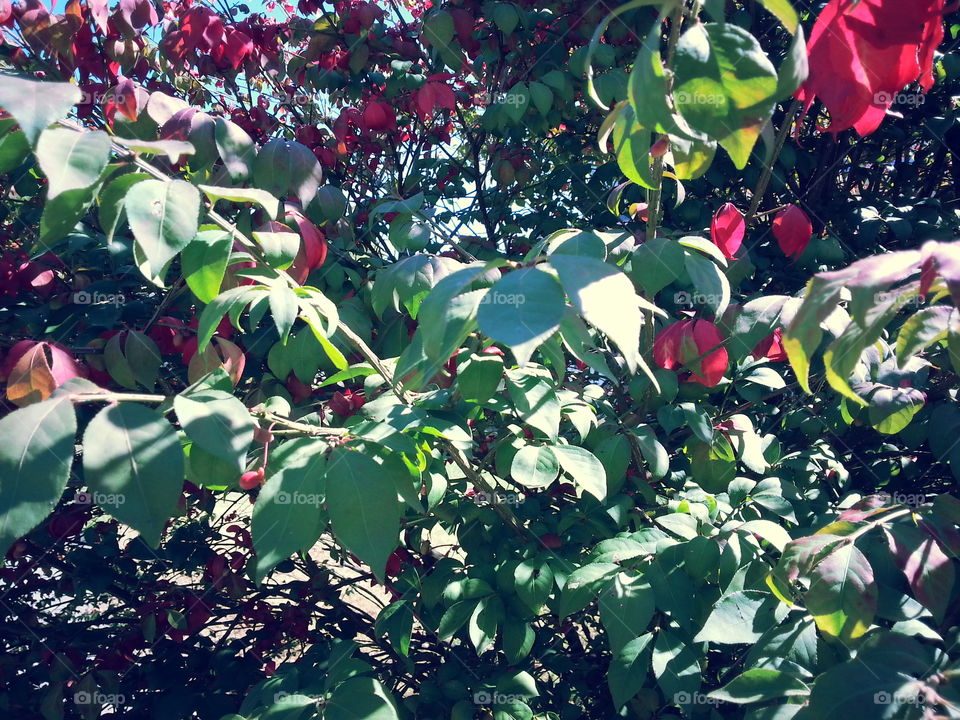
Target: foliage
x=371, y=361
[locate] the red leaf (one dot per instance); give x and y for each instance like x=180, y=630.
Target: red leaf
x=238, y=48
x=792, y=229
x=771, y=347
x=35, y=369
x=727, y=230
x=862, y=54
x=927, y=568
x=379, y=117
x=695, y=345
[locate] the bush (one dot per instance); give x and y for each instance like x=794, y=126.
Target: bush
x=526, y=360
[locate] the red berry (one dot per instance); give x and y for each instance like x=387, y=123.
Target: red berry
x=250, y=479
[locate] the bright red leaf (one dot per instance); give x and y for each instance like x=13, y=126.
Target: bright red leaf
x=693, y=345
x=863, y=53
x=727, y=230
x=792, y=229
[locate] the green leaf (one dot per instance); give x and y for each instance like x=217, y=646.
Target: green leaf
x=652, y=450
x=795, y=67
x=517, y=637
x=584, y=468
x=784, y=12
x=36, y=453
x=843, y=594
x=14, y=149
x=117, y=364
x=594, y=288
x=533, y=582
x=741, y=617
x=288, y=516
x=229, y=302
x=364, y=512
x=921, y=330
x=284, y=307
x=725, y=86
x=479, y=377
x=631, y=145
x=505, y=16
x=535, y=466
x=626, y=608
x=163, y=217
x=35, y=104
x=703, y=246
x=243, y=195
x=647, y=89
x=173, y=149
x=583, y=585
x=360, y=698
x=541, y=96
x=656, y=264
x=628, y=669
x=892, y=408
x=133, y=464
x=677, y=664
x=217, y=422
x=760, y=685
x=143, y=355
x=483, y=624
x=438, y=28
x=279, y=248
x=204, y=263
x=283, y=167
x=536, y=401
x=236, y=149
x=709, y=283
x=112, y=201
x=521, y=310
x=72, y=160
